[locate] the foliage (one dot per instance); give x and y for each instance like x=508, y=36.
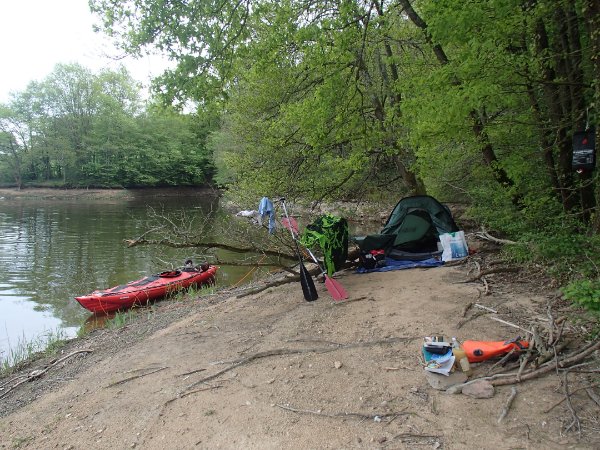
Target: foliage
x=120, y=319
x=328, y=100
x=584, y=292
x=79, y=129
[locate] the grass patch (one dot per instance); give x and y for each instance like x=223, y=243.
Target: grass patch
x=120, y=319
x=46, y=344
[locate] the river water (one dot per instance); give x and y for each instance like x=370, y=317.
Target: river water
x=53, y=250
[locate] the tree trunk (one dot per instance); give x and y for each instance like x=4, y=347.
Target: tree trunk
x=487, y=150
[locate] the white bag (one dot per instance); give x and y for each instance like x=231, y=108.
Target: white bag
x=454, y=246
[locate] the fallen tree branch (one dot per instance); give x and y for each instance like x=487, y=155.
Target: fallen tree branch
x=208, y=388
x=565, y=363
x=486, y=308
x=591, y=394
x=488, y=237
x=116, y=383
x=466, y=308
x=257, y=290
x=206, y=246
x=502, y=379
x=501, y=362
x=472, y=317
x=38, y=373
x=344, y=414
x=286, y=280
x=510, y=324
x=572, y=392
x=576, y=422
x=292, y=351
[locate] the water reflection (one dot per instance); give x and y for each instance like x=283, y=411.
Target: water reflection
x=52, y=250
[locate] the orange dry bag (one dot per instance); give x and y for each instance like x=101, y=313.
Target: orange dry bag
x=478, y=351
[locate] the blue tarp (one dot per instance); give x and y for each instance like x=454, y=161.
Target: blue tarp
x=393, y=264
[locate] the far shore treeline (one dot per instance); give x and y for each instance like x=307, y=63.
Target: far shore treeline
x=79, y=129
x=471, y=101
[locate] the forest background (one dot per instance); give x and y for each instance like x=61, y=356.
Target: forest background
x=471, y=101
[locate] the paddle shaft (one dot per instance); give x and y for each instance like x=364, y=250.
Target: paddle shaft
x=308, y=286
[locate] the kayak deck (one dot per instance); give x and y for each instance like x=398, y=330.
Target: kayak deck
x=140, y=292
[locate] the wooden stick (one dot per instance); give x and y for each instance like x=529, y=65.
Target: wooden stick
x=491, y=271
x=502, y=361
x=344, y=414
x=567, y=362
x=38, y=373
x=572, y=392
x=473, y=317
x=486, y=308
x=507, y=405
x=466, y=308
x=576, y=421
x=116, y=383
x=592, y=395
x=509, y=324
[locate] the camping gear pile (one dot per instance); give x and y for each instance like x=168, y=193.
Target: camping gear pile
x=420, y=232
x=443, y=358
x=419, y=228
x=329, y=233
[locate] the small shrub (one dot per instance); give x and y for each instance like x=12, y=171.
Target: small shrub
x=585, y=293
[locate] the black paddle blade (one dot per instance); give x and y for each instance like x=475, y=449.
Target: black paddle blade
x=308, y=286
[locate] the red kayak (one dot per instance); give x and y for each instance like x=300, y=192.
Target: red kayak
x=141, y=291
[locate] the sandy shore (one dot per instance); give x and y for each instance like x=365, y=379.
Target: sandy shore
x=271, y=371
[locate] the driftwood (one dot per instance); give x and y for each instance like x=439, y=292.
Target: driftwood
x=38, y=373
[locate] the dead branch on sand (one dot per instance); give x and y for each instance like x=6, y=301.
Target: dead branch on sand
x=508, y=404
x=38, y=373
x=292, y=351
x=116, y=383
x=373, y=416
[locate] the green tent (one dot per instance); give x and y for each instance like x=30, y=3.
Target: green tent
x=413, y=228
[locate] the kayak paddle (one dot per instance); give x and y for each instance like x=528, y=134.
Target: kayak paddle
x=308, y=286
x=334, y=287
